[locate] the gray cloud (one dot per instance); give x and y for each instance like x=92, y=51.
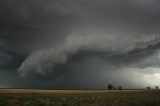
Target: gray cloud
x=46, y=60
x=55, y=35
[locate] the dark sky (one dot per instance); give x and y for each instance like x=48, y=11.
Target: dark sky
x=74, y=44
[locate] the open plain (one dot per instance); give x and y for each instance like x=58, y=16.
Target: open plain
x=29, y=97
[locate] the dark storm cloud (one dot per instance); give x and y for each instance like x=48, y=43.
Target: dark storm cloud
x=56, y=35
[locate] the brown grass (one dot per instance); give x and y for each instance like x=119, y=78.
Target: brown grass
x=29, y=97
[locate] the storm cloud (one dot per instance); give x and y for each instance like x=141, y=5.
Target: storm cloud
x=49, y=38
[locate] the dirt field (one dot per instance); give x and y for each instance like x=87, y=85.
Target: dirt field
x=24, y=97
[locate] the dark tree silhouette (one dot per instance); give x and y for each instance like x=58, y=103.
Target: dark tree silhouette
x=148, y=88
x=156, y=87
x=119, y=88
x=110, y=87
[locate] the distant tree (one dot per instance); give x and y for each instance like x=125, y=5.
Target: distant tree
x=148, y=88
x=156, y=87
x=119, y=88
x=110, y=87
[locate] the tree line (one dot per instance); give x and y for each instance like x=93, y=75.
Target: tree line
x=111, y=87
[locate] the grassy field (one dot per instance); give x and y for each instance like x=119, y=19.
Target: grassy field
x=24, y=97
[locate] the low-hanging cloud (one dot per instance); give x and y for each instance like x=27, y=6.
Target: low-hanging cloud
x=112, y=29
x=45, y=61
x=51, y=37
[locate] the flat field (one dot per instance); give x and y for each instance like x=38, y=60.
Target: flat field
x=29, y=97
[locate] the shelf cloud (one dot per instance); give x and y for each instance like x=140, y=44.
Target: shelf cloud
x=47, y=39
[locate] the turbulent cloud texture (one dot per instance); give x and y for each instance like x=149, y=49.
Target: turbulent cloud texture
x=49, y=38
